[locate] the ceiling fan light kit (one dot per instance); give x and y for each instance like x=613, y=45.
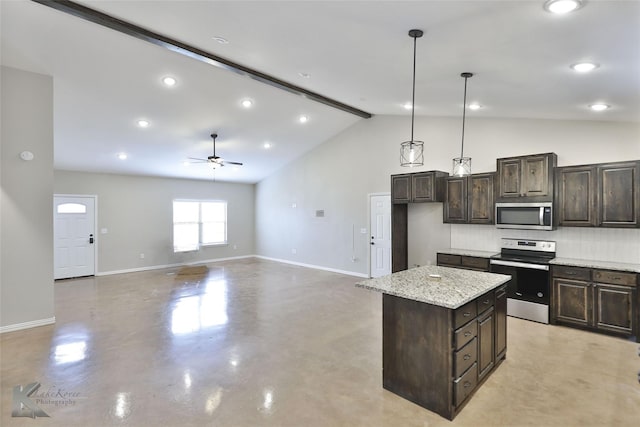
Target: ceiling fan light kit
x=412, y=151
x=214, y=161
x=462, y=164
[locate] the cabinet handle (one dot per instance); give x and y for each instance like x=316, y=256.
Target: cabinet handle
x=616, y=278
x=467, y=384
x=467, y=357
x=467, y=314
x=570, y=273
x=467, y=334
x=486, y=302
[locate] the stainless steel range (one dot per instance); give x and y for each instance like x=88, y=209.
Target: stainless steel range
x=527, y=262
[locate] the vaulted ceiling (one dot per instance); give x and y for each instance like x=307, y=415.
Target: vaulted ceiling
x=355, y=52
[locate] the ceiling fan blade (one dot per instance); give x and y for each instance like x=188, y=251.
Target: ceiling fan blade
x=195, y=158
x=233, y=163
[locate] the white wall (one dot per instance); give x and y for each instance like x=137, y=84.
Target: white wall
x=137, y=213
x=26, y=253
x=338, y=175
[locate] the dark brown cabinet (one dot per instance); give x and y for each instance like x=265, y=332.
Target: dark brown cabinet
x=462, y=261
x=469, y=199
x=417, y=187
x=528, y=177
x=501, y=322
x=577, y=188
x=601, y=300
x=619, y=194
x=448, y=360
x=599, y=195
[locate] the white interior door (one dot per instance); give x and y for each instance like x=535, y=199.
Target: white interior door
x=380, y=227
x=73, y=236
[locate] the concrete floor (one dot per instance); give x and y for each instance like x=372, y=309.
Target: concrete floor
x=258, y=343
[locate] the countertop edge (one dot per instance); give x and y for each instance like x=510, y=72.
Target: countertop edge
x=605, y=265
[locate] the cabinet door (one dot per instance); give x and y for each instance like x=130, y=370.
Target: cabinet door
x=501, y=322
x=614, y=308
x=401, y=188
x=535, y=176
x=572, y=301
x=619, y=195
x=423, y=187
x=481, y=198
x=455, y=204
x=509, y=174
x=576, y=188
x=486, y=330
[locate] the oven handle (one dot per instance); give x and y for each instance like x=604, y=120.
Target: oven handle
x=519, y=264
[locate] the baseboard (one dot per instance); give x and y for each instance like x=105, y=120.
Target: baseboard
x=27, y=325
x=315, y=267
x=160, y=267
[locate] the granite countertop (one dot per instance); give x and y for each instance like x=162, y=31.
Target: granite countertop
x=607, y=265
x=455, y=288
x=468, y=252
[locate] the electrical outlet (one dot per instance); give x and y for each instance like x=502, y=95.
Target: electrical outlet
x=235, y=246
x=141, y=256
x=294, y=251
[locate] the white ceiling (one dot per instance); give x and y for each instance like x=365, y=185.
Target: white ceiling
x=356, y=52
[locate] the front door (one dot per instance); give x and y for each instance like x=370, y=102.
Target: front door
x=380, y=226
x=73, y=236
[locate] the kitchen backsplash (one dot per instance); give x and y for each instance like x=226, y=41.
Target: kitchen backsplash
x=602, y=244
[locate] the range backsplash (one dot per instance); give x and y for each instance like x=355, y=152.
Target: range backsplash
x=602, y=244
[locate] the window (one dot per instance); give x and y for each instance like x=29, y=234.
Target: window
x=198, y=223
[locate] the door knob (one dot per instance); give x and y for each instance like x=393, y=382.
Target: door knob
x=372, y=243
x=90, y=238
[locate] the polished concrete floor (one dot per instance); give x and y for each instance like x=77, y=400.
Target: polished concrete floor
x=258, y=343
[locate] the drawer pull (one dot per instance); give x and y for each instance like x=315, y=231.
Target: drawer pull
x=616, y=278
x=467, y=334
x=466, y=314
x=467, y=384
x=570, y=273
x=467, y=357
x=519, y=294
x=486, y=302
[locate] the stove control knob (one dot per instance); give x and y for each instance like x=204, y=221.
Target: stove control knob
x=540, y=295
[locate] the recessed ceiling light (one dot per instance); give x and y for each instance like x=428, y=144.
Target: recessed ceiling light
x=143, y=123
x=303, y=119
x=304, y=75
x=221, y=40
x=122, y=156
x=186, y=163
x=562, y=6
x=407, y=106
x=584, y=67
x=475, y=106
x=169, y=81
x=246, y=103
x=599, y=106
x=267, y=145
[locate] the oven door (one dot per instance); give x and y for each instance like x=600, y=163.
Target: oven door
x=529, y=282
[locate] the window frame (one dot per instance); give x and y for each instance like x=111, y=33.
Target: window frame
x=200, y=223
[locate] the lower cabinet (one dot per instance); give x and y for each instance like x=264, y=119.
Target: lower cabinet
x=438, y=357
x=600, y=300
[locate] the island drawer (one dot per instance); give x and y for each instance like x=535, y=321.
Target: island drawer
x=449, y=259
x=465, y=334
x=485, y=302
x=465, y=313
x=465, y=357
x=577, y=273
x=615, y=277
x=464, y=385
x=476, y=263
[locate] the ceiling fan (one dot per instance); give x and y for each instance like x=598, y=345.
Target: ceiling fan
x=215, y=161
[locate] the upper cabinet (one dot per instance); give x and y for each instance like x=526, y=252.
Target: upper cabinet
x=599, y=195
x=469, y=199
x=417, y=187
x=529, y=177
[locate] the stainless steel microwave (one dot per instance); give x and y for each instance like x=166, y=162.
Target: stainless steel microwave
x=525, y=216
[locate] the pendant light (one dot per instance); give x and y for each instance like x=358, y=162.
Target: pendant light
x=411, y=152
x=462, y=165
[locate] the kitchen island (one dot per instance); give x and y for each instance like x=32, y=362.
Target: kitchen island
x=444, y=330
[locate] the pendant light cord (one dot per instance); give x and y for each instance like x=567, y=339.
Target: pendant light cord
x=464, y=113
x=413, y=95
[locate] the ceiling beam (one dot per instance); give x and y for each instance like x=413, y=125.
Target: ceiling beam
x=173, y=45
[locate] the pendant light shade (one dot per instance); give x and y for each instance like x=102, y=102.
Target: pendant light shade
x=412, y=151
x=462, y=164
